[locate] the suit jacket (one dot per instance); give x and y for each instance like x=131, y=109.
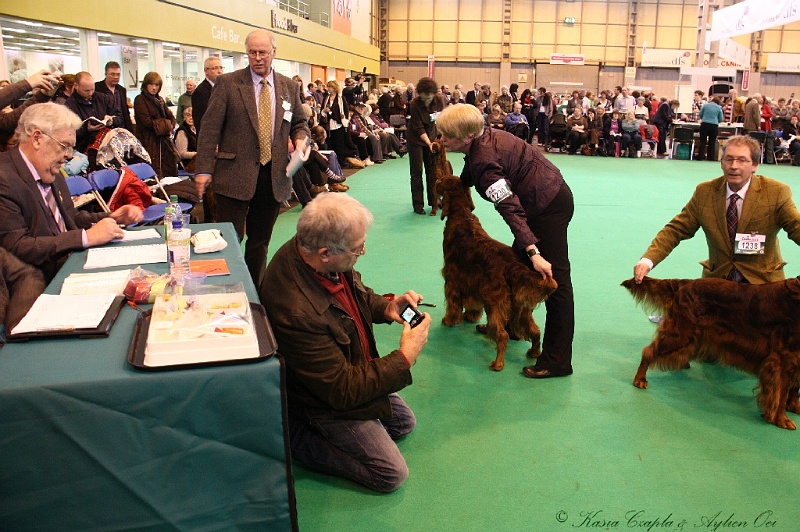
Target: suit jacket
x=231, y=124
x=767, y=208
x=120, y=97
x=472, y=98
x=27, y=227
x=200, y=97
x=752, y=115
x=20, y=285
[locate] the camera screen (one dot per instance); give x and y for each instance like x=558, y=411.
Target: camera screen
x=408, y=314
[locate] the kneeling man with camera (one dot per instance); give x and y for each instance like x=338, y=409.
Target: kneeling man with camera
x=344, y=412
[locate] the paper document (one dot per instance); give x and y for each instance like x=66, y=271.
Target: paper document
x=107, y=257
x=95, y=283
x=132, y=236
x=53, y=313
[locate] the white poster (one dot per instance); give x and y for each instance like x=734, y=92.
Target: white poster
x=733, y=51
x=783, y=62
x=665, y=57
x=753, y=15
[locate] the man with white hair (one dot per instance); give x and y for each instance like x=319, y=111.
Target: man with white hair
x=212, y=67
x=38, y=222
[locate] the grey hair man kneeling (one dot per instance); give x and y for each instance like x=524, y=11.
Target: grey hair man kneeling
x=344, y=412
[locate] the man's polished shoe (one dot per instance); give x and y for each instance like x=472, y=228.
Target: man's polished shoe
x=419, y=211
x=532, y=372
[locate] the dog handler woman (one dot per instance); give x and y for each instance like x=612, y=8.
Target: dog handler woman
x=530, y=194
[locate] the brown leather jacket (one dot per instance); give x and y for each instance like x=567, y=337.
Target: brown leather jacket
x=328, y=376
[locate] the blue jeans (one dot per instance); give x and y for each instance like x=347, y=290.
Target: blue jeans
x=362, y=451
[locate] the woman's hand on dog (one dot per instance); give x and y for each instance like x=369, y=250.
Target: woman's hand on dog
x=542, y=266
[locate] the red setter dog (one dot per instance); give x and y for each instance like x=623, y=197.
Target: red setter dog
x=753, y=328
x=480, y=272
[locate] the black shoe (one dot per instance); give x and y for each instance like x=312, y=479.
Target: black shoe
x=419, y=211
x=534, y=372
x=391, y=156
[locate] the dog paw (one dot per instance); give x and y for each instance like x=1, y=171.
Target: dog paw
x=640, y=383
x=534, y=352
x=450, y=321
x=497, y=366
x=783, y=422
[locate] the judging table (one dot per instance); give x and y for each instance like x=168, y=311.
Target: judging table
x=88, y=442
x=725, y=128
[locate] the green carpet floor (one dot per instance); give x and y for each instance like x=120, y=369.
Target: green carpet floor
x=497, y=451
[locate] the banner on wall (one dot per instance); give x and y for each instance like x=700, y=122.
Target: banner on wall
x=665, y=57
x=341, y=16
x=567, y=59
x=783, y=62
x=751, y=16
x=431, y=66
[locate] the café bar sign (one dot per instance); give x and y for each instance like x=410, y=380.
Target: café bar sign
x=283, y=23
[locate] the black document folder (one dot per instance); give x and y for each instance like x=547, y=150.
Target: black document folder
x=101, y=330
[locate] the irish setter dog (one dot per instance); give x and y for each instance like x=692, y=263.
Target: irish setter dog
x=480, y=272
x=753, y=328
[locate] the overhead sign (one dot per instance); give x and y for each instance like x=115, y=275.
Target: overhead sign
x=751, y=16
x=733, y=51
x=567, y=59
x=665, y=57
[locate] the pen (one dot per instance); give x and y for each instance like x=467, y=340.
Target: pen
x=134, y=306
x=421, y=304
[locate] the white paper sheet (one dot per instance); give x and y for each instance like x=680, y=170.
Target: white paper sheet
x=95, y=283
x=107, y=257
x=54, y=313
x=132, y=236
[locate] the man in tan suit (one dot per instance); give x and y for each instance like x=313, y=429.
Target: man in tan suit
x=249, y=174
x=742, y=238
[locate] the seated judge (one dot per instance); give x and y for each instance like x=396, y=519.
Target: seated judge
x=38, y=221
x=344, y=412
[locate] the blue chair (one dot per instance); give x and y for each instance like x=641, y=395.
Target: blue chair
x=81, y=190
x=154, y=212
x=103, y=180
x=78, y=185
x=143, y=171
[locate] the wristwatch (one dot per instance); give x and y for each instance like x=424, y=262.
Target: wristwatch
x=532, y=251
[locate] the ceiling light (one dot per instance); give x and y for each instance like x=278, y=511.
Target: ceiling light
x=34, y=24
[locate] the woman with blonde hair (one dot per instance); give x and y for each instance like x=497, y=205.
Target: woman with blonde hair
x=334, y=115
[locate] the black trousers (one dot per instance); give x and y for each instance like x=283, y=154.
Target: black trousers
x=417, y=157
x=254, y=218
x=551, y=226
x=707, y=144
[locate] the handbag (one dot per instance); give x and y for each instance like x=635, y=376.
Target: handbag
x=162, y=126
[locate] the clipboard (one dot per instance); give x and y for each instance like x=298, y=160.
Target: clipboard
x=101, y=331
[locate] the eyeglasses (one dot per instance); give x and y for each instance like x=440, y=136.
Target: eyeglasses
x=739, y=160
x=67, y=149
x=357, y=253
x=259, y=53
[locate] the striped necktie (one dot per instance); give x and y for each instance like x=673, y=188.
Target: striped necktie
x=51, y=203
x=732, y=216
x=265, y=123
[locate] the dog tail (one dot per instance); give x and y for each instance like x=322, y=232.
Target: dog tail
x=655, y=295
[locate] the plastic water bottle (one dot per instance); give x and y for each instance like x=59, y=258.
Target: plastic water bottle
x=171, y=212
x=178, y=250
